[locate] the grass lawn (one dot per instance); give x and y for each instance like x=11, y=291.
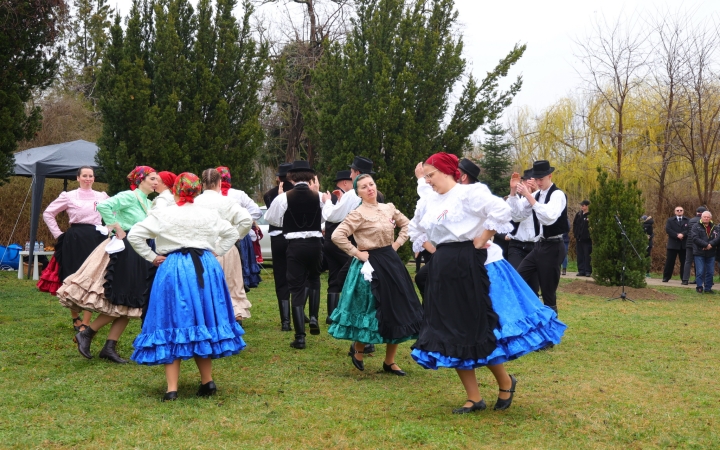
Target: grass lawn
x=640, y=375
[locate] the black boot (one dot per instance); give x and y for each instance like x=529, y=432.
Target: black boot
x=108, y=352
x=332, y=302
x=314, y=312
x=84, y=339
x=298, y=316
x=284, y=307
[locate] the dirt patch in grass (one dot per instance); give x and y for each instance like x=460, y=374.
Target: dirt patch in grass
x=590, y=288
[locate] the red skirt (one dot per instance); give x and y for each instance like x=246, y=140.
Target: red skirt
x=50, y=278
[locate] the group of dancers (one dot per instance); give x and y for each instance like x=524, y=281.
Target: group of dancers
x=176, y=264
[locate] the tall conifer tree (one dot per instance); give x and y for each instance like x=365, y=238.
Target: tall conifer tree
x=496, y=162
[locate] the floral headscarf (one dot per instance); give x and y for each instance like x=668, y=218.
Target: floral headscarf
x=187, y=187
x=225, y=177
x=137, y=175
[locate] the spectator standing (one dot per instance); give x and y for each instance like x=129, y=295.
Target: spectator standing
x=706, y=237
x=583, y=244
x=676, y=228
x=689, y=250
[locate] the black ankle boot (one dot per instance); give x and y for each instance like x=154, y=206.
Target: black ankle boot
x=84, y=339
x=298, y=316
x=284, y=307
x=332, y=302
x=108, y=352
x=314, y=311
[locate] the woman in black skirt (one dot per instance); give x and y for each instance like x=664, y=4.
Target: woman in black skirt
x=459, y=320
x=75, y=244
x=384, y=309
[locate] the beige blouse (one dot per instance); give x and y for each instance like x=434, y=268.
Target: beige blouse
x=373, y=226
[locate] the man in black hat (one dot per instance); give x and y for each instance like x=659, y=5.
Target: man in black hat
x=583, y=244
x=689, y=257
x=299, y=213
x=522, y=239
x=548, y=209
x=278, y=247
x=469, y=171
x=335, y=257
x=335, y=212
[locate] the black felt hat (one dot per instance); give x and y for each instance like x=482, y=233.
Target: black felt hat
x=542, y=169
x=283, y=169
x=362, y=165
x=301, y=166
x=469, y=168
x=527, y=174
x=343, y=175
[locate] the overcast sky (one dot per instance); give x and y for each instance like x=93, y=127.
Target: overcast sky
x=492, y=28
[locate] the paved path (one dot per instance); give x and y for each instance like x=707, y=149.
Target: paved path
x=675, y=282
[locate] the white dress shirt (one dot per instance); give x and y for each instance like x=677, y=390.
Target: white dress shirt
x=246, y=202
x=187, y=226
x=547, y=214
x=274, y=216
x=336, y=213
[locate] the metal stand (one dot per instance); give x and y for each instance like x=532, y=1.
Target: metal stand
x=623, y=296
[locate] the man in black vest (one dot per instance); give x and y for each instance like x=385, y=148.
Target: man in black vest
x=677, y=228
x=299, y=213
x=278, y=247
x=548, y=208
x=335, y=257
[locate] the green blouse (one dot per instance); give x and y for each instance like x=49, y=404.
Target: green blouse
x=125, y=208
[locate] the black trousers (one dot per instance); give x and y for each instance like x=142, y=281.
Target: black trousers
x=689, y=260
x=517, y=251
x=670, y=262
x=278, y=247
x=584, y=249
x=336, y=259
x=541, y=269
x=304, y=260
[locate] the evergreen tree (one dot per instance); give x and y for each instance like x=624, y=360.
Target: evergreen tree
x=180, y=91
x=29, y=31
x=496, y=162
x=617, y=198
x=384, y=93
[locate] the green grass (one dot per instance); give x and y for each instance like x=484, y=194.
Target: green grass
x=627, y=375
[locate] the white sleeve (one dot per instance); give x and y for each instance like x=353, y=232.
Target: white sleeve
x=423, y=189
x=337, y=213
x=417, y=234
x=496, y=211
x=274, y=215
x=227, y=236
x=520, y=208
x=246, y=202
x=548, y=213
x=140, y=233
x=241, y=219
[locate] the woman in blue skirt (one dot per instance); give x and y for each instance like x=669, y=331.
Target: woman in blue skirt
x=462, y=327
x=378, y=307
x=190, y=314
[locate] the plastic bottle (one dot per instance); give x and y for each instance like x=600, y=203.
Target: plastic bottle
x=42, y=246
x=27, y=246
x=36, y=248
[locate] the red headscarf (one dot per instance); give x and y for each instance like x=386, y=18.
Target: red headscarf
x=225, y=177
x=137, y=175
x=187, y=186
x=168, y=178
x=446, y=163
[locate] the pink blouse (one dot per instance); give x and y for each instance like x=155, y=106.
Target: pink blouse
x=80, y=205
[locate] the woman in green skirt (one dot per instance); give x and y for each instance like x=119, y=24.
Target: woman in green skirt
x=378, y=304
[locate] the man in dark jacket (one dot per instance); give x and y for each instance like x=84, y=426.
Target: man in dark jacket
x=676, y=228
x=689, y=254
x=706, y=236
x=583, y=244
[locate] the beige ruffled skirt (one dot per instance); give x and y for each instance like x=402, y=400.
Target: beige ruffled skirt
x=84, y=290
x=232, y=266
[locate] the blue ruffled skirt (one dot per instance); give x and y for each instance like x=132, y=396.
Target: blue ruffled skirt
x=184, y=320
x=525, y=324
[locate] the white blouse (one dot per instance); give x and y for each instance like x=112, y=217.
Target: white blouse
x=228, y=209
x=163, y=200
x=187, y=226
x=338, y=212
x=459, y=215
x=246, y=202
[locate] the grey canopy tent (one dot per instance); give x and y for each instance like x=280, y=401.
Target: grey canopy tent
x=52, y=161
